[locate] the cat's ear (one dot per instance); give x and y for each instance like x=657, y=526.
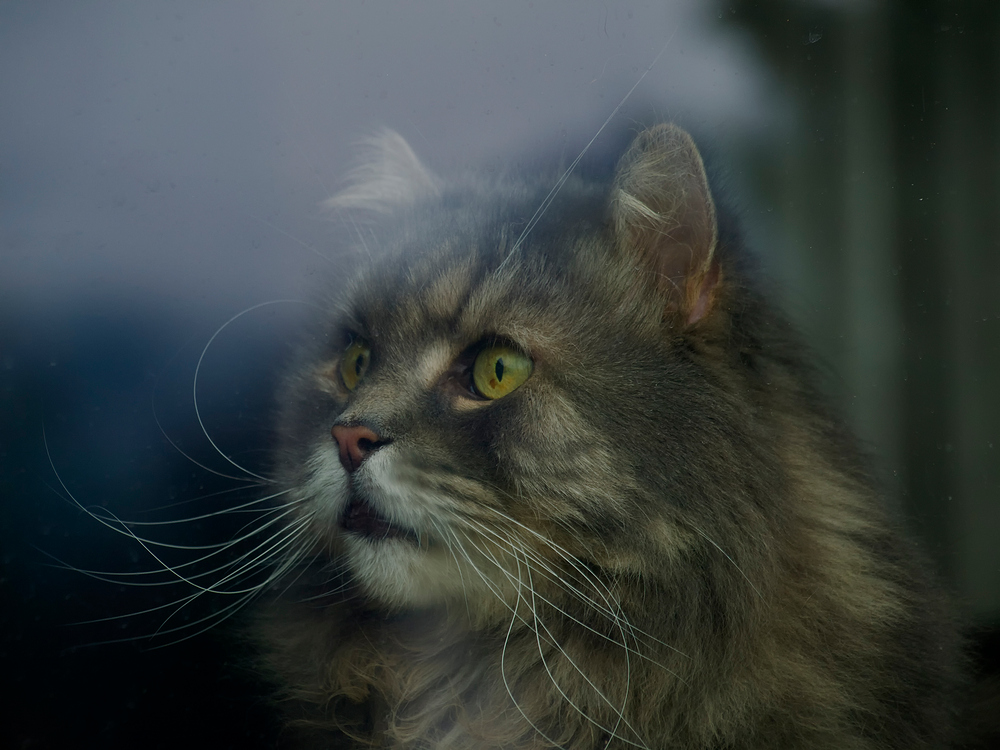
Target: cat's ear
x=389, y=175
x=664, y=217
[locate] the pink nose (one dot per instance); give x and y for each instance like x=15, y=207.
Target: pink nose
x=356, y=444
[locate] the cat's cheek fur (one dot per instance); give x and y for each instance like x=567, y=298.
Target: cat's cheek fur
x=560, y=457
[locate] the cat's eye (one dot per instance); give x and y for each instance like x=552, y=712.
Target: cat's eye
x=355, y=362
x=498, y=370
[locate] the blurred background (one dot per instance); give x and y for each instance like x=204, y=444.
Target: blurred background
x=161, y=169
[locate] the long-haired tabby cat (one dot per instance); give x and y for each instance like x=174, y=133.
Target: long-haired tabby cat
x=566, y=480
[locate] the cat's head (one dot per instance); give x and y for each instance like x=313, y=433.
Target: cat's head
x=511, y=386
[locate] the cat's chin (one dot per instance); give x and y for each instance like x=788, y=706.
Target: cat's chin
x=398, y=572
x=401, y=569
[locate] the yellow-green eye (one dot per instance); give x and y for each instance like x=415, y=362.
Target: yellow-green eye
x=498, y=370
x=354, y=364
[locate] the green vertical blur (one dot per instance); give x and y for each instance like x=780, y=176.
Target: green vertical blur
x=888, y=198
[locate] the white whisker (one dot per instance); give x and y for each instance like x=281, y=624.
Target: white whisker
x=617, y=617
x=223, y=512
x=731, y=560
x=246, y=594
x=197, y=371
x=271, y=225
x=447, y=543
x=547, y=201
x=539, y=623
x=248, y=484
x=503, y=656
x=587, y=576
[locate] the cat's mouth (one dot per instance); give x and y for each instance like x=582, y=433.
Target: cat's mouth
x=362, y=519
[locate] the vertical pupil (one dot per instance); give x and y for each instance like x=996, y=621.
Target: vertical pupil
x=499, y=369
x=358, y=364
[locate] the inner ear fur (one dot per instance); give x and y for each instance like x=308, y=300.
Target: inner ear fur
x=664, y=217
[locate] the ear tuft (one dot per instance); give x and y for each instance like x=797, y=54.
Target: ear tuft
x=664, y=217
x=388, y=176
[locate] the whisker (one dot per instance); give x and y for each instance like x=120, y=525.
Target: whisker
x=123, y=528
x=247, y=592
x=246, y=595
x=284, y=233
x=550, y=638
x=585, y=574
x=731, y=560
x=619, y=711
x=617, y=618
x=237, y=560
x=294, y=532
x=345, y=586
x=213, y=514
x=203, y=467
x=197, y=371
x=445, y=540
x=249, y=484
x=488, y=583
x=190, y=580
x=173, y=443
x=547, y=201
x=503, y=656
x=223, y=614
x=608, y=610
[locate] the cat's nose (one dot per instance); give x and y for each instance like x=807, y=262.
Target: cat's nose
x=356, y=444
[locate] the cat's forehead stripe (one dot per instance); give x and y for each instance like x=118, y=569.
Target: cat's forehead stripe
x=445, y=294
x=432, y=361
x=498, y=304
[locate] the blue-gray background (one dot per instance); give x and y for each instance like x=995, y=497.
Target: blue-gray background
x=161, y=169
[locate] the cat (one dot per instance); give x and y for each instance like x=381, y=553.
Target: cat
x=559, y=475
